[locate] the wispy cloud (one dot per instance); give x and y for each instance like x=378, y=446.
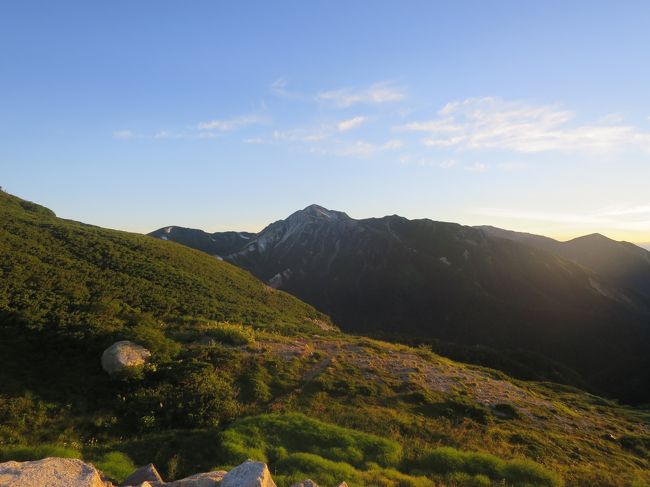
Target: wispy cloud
x=280, y=88
x=310, y=134
x=493, y=123
x=363, y=149
x=225, y=125
x=318, y=132
x=352, y=123
x=166, y=134
x=623, y=217
x=123, y=134
x=359, y=149
x=211, y=129
x=375, y=94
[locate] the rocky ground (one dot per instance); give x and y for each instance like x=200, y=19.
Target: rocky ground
x=66, y=472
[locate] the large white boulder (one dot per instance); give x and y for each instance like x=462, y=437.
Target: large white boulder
x=248, y=474
x=207, y=479
x=50, y=472
x=122, y=355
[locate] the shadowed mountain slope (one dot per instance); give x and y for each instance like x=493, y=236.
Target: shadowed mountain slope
x=434, y=280
x=621, y=263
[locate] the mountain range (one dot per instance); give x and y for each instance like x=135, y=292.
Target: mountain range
x=577, y=311
x=238, y=370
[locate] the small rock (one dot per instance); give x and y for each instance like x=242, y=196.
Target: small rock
x=306, y=483
x=207, y=479
x=124, y=354
x=148, y=473
x=50, y=472
x=248, y=474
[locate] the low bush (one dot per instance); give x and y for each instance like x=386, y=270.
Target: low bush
x=388, y=477
x=527, y=472
x=116, y=465
x=230, y=333
x=190, y=394
x=256, y=436
x=456, y=464
x=506, y=411
x=462, y=479
x=319, y=469
x=255, y=384
x=636, y=443
x=148, y=334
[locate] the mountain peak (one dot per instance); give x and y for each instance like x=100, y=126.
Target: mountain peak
x=320, y=212
x=593, y=237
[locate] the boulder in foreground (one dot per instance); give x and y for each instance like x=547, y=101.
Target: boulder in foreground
x=248, y=474
x=207, y=479
x=50, y=472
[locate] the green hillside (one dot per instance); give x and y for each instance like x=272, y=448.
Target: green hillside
x=87, y=279
x=242, y=371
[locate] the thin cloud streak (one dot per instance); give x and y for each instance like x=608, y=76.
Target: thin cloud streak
x=123, y=134
x=357, y=149
x=377, y=93
x=492, y=123
x=232, y=124
x=318, y=133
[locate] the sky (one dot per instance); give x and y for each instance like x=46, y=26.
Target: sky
x=532, y=116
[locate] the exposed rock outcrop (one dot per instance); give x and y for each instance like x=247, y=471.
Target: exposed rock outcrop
x=50, y=472
x=249, y=474
x=207, y=479
x=66, y=472
x=148, y=473
x=123, y=355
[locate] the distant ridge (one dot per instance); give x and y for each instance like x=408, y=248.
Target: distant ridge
x=471, y=286
x=622, y=263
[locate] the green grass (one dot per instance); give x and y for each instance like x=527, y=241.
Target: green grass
x=300, y=466
x=116, y=465
x=24, y=453
x=518, y=472
x=259, y=437
x=229, y=333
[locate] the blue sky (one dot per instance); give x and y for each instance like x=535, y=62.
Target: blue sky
x=533, y=116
